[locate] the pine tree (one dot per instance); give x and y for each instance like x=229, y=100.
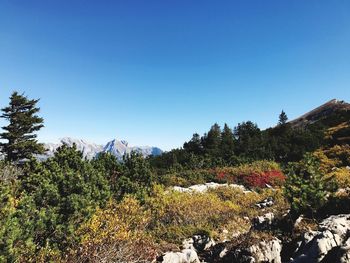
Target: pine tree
x=212, y=140
x=194, y=145
x=23, y=122
x=227, y=142
x=248, y=140
x=282, y=119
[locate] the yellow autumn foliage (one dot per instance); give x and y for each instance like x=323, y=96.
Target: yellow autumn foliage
x=334, y=163
x=166, y=218
x=126, y=220
x=116, y=233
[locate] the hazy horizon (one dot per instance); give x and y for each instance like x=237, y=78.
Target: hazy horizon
x=155, y=73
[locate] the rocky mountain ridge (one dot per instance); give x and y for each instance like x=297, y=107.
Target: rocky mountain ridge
x=91, y=150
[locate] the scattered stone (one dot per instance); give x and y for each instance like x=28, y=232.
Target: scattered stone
x=344, y=252
x=343, y=191
x=298, y=221
x=198, y=243
x=269, y=186
x=223, y=253
x=185, y=256
x=188, y=244
x=268, y=202
x=264, y=222
x=201, y=188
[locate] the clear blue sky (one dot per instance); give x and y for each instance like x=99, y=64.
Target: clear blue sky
x=154, y=72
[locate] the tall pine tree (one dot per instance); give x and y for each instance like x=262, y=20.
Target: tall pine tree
x=212, y=140
x=227, y=143
x=194, y=145
x=20, y=133
x=282, y=119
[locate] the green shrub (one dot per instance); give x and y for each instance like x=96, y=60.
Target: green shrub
x=136, y=177
x=306, y=189
x=54, y=197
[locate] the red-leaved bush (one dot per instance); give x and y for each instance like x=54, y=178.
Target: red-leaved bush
x=257, y=174
x=274, y=178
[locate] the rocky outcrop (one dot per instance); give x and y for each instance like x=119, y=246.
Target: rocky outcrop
x=185, y=256
x=268, y=250
x=197, y=243
x=201, y=188
x=329, y=244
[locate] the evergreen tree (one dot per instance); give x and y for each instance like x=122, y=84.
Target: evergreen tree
x=194, y=145
x=249, y=141
x=227, y=143
x=23, y=122
x=212, y=140
x=282, y=119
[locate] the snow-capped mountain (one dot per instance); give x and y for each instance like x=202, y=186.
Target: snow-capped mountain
x=90, y=150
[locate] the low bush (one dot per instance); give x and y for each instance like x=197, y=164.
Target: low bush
x=177, y=215
x=256, y=174
x=117, y=233
x=186, y=178
x=306, y=189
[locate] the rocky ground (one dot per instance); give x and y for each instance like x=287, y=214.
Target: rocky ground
x=270, y=239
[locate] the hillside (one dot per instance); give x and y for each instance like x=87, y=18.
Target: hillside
x=322, y=113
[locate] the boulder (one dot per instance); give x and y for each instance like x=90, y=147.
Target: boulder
x=263, y=251
x=263, y=222
x=267, y=251
x=185, y=256
x=330, y=242
x=344, y=252
x=198, y=242
x=268, y=202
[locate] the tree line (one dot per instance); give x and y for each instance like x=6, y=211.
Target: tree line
x=245, y=142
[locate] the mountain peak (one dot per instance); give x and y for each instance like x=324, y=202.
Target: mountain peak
x=321, y=112
x=91, y=150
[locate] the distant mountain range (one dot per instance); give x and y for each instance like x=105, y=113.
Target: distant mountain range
x=91, y=150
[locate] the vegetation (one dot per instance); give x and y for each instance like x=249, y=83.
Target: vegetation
x=19, y=133
x=68, y=208
x=307, y=189
x=243, y=144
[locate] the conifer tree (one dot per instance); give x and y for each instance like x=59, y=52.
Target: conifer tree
x=20, y=132
x=194, y=145
x=282, y=119
x=227, y=142
x=212, y=140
